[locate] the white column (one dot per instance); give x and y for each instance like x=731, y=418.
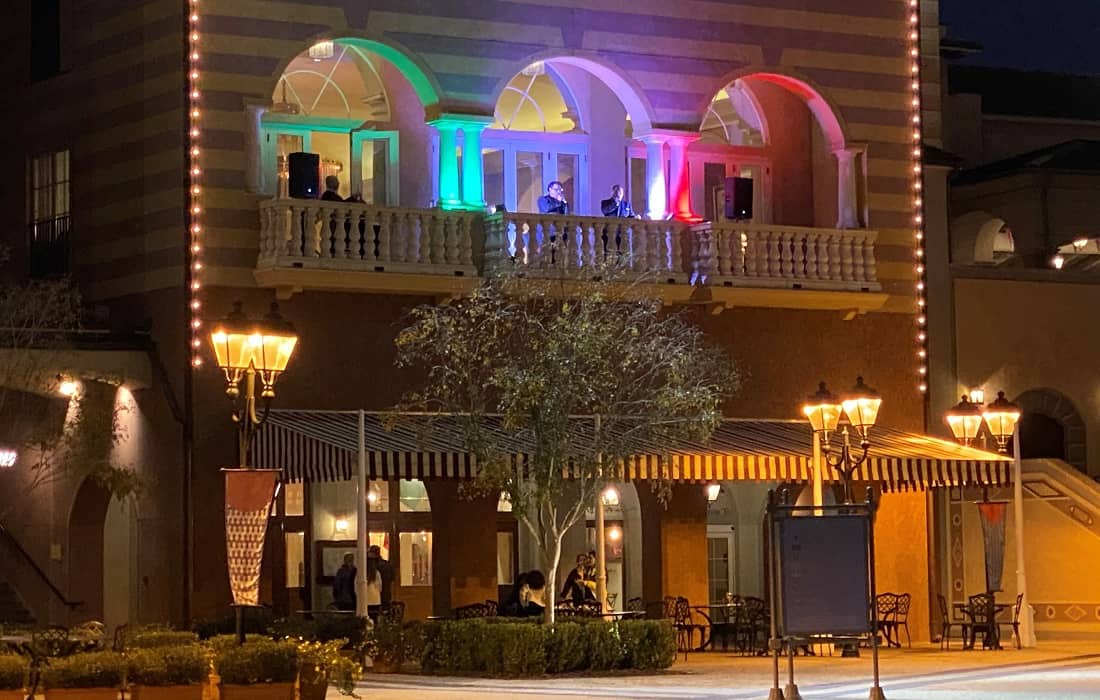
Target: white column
x=847, y=189
x=361, y=524
x=256, y=180
x=1027, y=623
x=656, y=187
x=678, y=186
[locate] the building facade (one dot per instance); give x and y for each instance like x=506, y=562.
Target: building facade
x=162, y=150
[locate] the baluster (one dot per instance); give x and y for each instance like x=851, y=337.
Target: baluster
x=416, y=237
x=858, y=272
x=450, y=240
x=589, y=253
x=725, y=252
x=526, y=249
x=812, y=240
x=628, y=249
x=399, y=236
x=773, y=262
x=385, y=222
x=846, y=262
x=465, y=240
x=752, y=253
x=798, y=243
x=834, y=258
x=675, y=250
x=786, y=254
x=704, y=256
x=870, y=265
x=436, y=244
x=316, y=219
x=640, y=257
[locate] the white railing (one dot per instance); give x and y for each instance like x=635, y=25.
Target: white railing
x=309, y=233
x=550, y=245
x=764, y=255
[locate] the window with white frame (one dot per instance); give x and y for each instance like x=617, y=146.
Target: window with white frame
x=50, y=202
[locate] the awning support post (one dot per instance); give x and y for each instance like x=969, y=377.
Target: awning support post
x=361, y=522
x=1027, y=626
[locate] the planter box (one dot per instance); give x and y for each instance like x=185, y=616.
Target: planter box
x=311, y=690
x=13, y=695
x=258, y=691
x=166, y=692
x=384, y=666
x=82, y=694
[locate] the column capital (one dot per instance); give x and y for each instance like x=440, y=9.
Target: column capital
x=454, y=120
x=850, y=150
x=669, y=136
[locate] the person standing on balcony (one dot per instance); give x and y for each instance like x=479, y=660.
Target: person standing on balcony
x=617, y=206
x=553, y=202
x=332, y=186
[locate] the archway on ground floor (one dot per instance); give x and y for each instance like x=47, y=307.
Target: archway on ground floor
x=773, y=149
x=85, y=554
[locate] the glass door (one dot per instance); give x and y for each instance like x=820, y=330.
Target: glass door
x=720, y=562
x=374, y=173
x=518, y=169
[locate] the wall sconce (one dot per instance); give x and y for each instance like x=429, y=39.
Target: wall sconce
x=341, y=526
x=372, y=496
x=610, y=496
x=713, y=490
x=67, y=386
x=615, y=534
x=977, y=396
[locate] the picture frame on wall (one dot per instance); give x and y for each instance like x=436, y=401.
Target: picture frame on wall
x=330, y=557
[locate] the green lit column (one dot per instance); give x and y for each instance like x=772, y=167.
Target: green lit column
x=473, y=174
x=470, y=192
x=449, y=195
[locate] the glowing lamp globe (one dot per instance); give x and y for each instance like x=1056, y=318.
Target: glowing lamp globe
x=1001, y=417
x=273, y=349
x=231, y=340
x=965, y=420
x=241, y=345
x=861, y=405
x=823, y=410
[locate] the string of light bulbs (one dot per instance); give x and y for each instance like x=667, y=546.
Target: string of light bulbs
x=914, y=34
x=194, y=219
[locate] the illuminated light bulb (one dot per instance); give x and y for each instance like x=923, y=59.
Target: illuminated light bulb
x=196, y=266
x=194, y=114
x=913, y=52
x=196, y=362
x=195, y=286
x=921, y=320
x=194, y=36
x=196, y=324
x=196, y=304
x=196, y=210
x=921, y=337
x=195, y=228
x=922, y=354
x=920, y=286
x=916, y=119
x=923, y=388
x=194, y=55
x=920, y=302
x=195, y=133
x=918, y=201
x=196, y=249
x=196, y=343
x=1058, y=261
x=195, y=151
x=922, y=370
x=920, y=269
x=194, y=75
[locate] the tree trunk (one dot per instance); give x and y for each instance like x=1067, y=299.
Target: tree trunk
x=552, y=558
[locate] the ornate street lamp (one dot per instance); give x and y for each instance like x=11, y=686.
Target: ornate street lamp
x=965, y=420
x=861, y=406
x=244, y=350
x=1001, y=417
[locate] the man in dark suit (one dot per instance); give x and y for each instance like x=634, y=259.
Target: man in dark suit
x=617, y=206
x=332, y=184
x=553, y=202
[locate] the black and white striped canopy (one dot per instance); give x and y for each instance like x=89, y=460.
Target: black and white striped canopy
x=324, y=446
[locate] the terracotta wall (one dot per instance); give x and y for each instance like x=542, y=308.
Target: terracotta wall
x=901, y=555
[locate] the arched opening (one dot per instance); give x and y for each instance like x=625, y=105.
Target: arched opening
x=567, y=119
x=1052, y=427
x=981, y=238
x=86, y=565
x=355, y=104
x=782, y=138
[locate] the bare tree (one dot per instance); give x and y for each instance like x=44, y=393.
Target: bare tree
x=585, y=375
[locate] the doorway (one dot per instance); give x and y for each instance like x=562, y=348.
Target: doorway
x=721, y=562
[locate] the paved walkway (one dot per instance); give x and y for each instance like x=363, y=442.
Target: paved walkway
x=1054, y=671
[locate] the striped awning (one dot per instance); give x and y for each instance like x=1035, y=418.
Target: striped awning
x=324, y=446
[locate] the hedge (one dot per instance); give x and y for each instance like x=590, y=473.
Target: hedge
x=521, y=649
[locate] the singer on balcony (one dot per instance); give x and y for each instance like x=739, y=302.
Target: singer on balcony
x=553, y=202
x=617, y=206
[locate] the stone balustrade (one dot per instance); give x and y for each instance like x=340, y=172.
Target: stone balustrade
x=566, y=245
x=763, y=255
x=309, y=233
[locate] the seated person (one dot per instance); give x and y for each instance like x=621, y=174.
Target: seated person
x=536, y=596
x=617, y=206
x=553, y=202
x=516, y=603
x=576, y=589
x=332, y=185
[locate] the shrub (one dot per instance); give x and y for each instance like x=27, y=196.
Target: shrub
x=259, y=661
x=256, y=621
x=98, y=669
x=566, y=648
x=392, y=642
x=154, y=638
x=323, y=661
x=523, y=649
x=184, y=664
x=605, y=650
x=13, y=672
x=647, y=644
x=323, y=628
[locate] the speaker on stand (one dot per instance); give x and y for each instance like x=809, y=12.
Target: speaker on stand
x=304, y=171
x=738, y=198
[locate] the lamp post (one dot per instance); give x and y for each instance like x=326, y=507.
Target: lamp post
x=861, y=406
x=246, y=349
x=1002, y=420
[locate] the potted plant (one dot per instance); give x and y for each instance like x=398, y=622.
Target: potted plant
x=389, y=644
x=259, y=670
x=322, y=664
x=13, y=677
x=168, y=673
x=96, y=675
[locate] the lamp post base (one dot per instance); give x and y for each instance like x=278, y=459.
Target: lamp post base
x=791, y=692
x=776, y=694
x=876, y=694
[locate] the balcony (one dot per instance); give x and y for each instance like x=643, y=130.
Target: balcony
x=344, y=246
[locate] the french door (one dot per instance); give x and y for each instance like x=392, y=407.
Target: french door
x=721, y=562
x=518, y=169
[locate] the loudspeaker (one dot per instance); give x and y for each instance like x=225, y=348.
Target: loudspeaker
x=738, y=198
x=305, y=175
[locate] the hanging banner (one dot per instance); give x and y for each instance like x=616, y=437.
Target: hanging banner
x=993, y=534
x=249, y=495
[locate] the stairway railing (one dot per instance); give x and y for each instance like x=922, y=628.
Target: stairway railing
x=8, y=537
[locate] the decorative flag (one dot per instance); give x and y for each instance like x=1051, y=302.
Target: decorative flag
x=993, y=533
x=249, y=495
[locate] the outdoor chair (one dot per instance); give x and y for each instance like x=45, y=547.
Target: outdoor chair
x=122, y=633
x=89, y=636
x=669, y=607
x=901, y=618
x=886, y=608
x=469, y=612
x=635, y=605
x=753, y=625
x=725, y=621
x=947, y=623
x=491, y=608
x=1015, y=623
x=686, y=626
x=980, y=609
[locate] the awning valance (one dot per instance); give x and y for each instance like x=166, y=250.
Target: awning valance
x=324, y=446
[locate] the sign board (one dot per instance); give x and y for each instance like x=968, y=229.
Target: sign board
x=823, y=575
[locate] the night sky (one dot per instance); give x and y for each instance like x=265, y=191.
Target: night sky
x=1054, y=35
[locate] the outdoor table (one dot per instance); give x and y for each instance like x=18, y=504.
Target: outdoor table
x=308, y=614
x=19, y=643
x=730, y=609
x=992, y=638
x=617, y=615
